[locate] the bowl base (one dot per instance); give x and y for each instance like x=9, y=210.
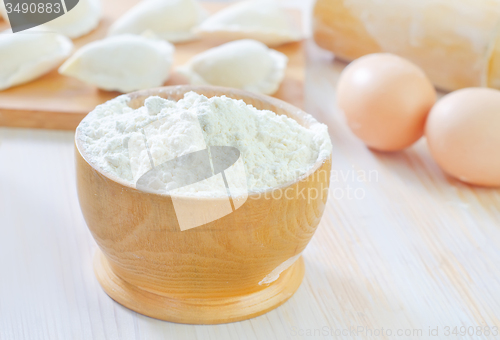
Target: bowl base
x=198, y=311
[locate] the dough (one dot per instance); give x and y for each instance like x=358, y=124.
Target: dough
x=123, y=63
x=25, y=56
x=243, y=64
x=171, y=20
x=264, y=21
x=80, y=20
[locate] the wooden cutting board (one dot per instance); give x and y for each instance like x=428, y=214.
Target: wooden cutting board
x=57, y=102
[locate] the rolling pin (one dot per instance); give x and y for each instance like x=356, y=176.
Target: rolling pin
x=456, y=42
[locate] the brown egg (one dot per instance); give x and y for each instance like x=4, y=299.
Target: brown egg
x=386, y=100
x=463, y=133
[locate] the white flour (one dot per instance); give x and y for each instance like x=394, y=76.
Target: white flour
x=274, y=149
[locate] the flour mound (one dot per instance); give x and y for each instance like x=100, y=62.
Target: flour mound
x=127, y=143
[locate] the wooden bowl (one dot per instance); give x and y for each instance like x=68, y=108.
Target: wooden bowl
x=231, y=269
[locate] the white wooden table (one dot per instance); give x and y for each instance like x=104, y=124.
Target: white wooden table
x=403, y=252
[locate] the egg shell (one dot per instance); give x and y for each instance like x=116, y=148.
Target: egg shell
x=463, y=133
x=386, y=100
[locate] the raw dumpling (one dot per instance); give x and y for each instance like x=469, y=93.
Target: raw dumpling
x=25, y=56
x=78, y=21
x=123, y=63
x=172, y=20
x=264, y=21
x=243, y=64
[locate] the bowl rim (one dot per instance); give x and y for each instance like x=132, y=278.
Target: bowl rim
x=295, y=113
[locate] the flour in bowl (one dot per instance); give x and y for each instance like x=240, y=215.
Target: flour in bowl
x=128, y=143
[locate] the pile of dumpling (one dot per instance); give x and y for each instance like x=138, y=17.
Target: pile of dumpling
x=138, y=52
x=28, y=55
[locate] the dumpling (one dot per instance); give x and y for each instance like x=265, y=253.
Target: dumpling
x=80, y=20
x=244, y=64
x=25, y=56
x=264, y=21
x=123, y=63
x=171, y=20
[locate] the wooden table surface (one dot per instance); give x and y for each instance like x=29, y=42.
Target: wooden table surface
x=402, y=250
